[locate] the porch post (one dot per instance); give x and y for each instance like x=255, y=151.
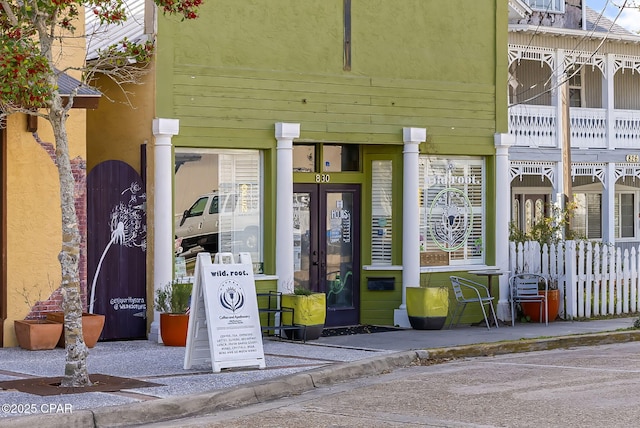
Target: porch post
x=608, y=204
x=556, y=95
x=608, y=98
x=502, y=143
x=163, y=240
x=285, y=133
x=412, y=137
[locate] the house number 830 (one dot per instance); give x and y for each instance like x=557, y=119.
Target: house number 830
x=323, y=178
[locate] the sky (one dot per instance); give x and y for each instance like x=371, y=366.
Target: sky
x=630, y=17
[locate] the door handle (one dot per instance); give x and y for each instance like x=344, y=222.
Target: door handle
x=314, y=258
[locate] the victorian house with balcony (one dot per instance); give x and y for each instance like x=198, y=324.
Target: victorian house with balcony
x=559, y=47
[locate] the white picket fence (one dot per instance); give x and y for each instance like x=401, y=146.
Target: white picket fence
x=593, y=279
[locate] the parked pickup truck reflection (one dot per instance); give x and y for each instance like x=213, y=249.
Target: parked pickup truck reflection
x=215, y=216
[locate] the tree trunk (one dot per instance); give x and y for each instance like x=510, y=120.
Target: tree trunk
x=76, y=373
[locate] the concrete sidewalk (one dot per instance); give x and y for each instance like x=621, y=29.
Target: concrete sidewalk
x=292, y=368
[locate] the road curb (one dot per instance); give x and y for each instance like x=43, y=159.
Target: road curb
x=206, y=403
x=537, y=344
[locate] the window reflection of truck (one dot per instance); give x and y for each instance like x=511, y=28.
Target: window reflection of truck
x=214, y=214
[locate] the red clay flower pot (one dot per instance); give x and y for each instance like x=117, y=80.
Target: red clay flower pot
x=173, y=329
x=532, y=310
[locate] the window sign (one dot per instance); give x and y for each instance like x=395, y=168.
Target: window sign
x=451, y=208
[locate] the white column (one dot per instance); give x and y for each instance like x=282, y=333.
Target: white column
x=608, y=204
x=609, y=182
x=412, y=137
x=559, y=76
x=503, y=209
x=163, y=241
x=556, y=95
x=285, y=133
x=608, y=99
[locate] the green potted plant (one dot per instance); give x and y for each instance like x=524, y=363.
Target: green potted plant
x=172, y=301
x=309, y=309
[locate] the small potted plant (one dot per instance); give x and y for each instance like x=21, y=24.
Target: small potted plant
x=37, y=333
x=309, y=310
x=173, y=301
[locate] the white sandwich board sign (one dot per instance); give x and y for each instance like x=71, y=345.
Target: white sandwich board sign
x=224, y=323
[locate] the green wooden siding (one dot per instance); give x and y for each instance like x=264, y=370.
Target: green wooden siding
x=364, y=110
x=246, y=64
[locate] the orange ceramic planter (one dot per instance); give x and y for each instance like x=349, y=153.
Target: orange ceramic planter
x=532, y=310
x=92, y=325
x=173, y=329
x=37, y=335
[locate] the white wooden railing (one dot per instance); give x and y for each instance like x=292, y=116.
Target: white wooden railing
x=593, y=279
x=536, y=126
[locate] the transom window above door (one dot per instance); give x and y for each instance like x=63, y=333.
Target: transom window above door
x=326, y=157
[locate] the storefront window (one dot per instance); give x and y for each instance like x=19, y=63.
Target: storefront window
x=382, y=212
x=218, y=202
x=451, y=209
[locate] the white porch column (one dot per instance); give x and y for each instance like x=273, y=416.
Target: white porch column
x=608, y=99
x=556, y=94
x=608, y=204
x=412, y=137
x=503, y=210
x=285, y=133
x=163, y=241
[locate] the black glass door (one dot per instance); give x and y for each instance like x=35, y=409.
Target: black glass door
x=326, y=246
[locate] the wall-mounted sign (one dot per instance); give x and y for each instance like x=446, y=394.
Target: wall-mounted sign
x=632, y=158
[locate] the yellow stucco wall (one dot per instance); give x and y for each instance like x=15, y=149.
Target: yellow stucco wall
x=33, y=214
x=122, y=122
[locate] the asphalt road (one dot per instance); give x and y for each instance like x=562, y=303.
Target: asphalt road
x=593, y=386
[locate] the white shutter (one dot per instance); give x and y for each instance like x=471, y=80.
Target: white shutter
x=381, y=213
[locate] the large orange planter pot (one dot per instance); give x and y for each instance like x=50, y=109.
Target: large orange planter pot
x=92, y=325
x=532, y=310
x=173, y=329
x=37, y=335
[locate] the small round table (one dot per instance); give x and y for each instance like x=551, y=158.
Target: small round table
x=489, y=273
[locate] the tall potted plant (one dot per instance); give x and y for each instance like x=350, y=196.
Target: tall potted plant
x=172, y=301
x=309, y=310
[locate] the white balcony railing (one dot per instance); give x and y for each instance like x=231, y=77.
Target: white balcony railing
x=536, y=126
